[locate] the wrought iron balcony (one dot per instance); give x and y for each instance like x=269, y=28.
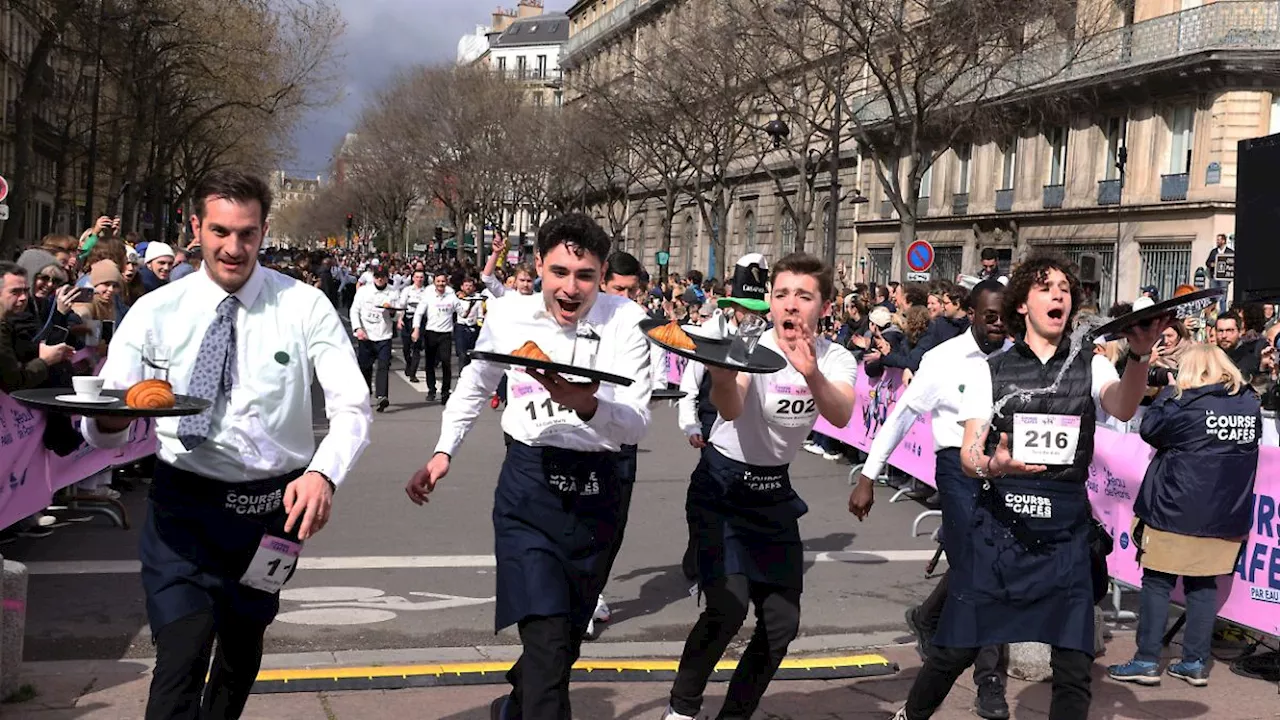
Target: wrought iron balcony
x=1004, y=200
x=1109, y=192
x=960, y=204
x=1174, y=187
x=1054, y=195
x=886, y=209
x=1223, y=25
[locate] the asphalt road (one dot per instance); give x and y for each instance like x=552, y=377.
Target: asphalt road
x=388, y=574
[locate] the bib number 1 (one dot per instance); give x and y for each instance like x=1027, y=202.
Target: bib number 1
x=272, y=565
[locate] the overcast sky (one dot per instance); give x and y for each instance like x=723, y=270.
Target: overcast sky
x=383, y=36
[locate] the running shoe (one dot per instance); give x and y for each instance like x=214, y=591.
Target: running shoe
x=1194, y=673
x=1136, y=671
x=383, y=403
x=494, y=401
x=990, y=703
x=831, y=456
x=670, y=714
x=922, y=638
x=602, y=612
x=810, y=447
x=498, y=708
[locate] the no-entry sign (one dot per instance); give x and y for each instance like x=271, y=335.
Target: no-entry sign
x=4, y=189
x=920, y=256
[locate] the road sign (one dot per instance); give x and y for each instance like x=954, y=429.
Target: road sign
x=920, y=256
x=1202, y=282
x=419, y=247
x=663, y=258
x=1224, y=267
x=4, y=190
x=4, y=212
x=919, y=276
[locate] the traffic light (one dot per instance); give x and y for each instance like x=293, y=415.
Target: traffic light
x=439, y=234
x=350, y=221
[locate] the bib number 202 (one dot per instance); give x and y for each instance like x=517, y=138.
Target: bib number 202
x=798, y=406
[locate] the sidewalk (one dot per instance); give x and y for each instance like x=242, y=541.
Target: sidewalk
x=117, y=691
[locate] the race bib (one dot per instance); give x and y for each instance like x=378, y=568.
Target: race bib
x=538, y=413
x=790, y=406
x=1045, y=439
x=272, y=565
x=372, y=315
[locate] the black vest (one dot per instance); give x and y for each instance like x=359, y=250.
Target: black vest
x=706, y=411
x=1020, y=369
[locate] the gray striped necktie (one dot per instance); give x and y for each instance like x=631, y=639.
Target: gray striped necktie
x=211, y=375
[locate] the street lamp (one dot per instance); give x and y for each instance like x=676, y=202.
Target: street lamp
x=778, y=131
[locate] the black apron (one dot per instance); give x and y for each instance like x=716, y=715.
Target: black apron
x=745, y=521
x=555, y=513
x=1019, y=563
x=199, y=538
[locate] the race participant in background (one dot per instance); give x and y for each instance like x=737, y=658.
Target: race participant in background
x=372, y=320
x=556, y=507
x=741, y=503
x=466, y=326
x=1020, y=566
x=433, y=325
x=410, y=297
x=936, y=390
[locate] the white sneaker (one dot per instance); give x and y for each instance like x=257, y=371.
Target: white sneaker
x=43, y=520
x=901, y=714
x=602, y=613
x=812, y=448
x=590, y=632
x=673, y=715
x=831, y=456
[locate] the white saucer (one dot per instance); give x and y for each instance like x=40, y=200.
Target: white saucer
x=100, y=400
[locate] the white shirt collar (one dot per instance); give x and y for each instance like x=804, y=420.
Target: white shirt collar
x=247, y=294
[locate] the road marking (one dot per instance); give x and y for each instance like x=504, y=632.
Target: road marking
x=361, y=605
x=407, y=562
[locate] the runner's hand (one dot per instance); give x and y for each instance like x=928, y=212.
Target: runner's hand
x=862, y=498
x=415, y=334
x=361, y=334
x=1144, y=337
x=803, y=351
x=424, y=481
x=579, y=397
x=1002, y=462
x=309, y=499
x=696, y=441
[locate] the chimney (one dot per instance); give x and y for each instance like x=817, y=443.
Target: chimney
x=529, y=8
x=502, y=19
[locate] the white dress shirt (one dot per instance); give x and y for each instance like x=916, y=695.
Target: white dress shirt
x=691, y=379
x=470, y=312
x=410, y=297
x=530, y=417
x=936, y=388
x=438, y=309
x=368, y=313
x=287, y=334
x=778, y=410
x=493, y=285
x=978, y=400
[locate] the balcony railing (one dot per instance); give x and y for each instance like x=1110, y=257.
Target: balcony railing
x=1054, y=195
x=960, y=204
x=1109, y=192
x=1174, y=187
x=1222, y=25
x=1004, y=200
x=886, y=209
x=620, y=14
x=531, y=74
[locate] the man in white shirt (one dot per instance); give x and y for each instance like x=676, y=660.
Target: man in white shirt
x=1018, y=550
x=240, y=486
x=433, y=326
x=556, y=507
x=936, y=390
x=410, y=298
x=373, y=321
x=741, y=503
x=466, y=327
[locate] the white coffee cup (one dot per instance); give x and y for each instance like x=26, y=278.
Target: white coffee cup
x=87, y=386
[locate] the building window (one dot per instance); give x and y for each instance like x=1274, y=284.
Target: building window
x=690, y=235
x=820, y=241
x=1107, y=262
x=879, y=265
x=1182, y=131
x=1165, y=265
x=926, y=181
x=502, y=65
x=521, y=63
x=964, y=154
x=538, y=99
x=1058, y=156
x=1275, y=114
x=1009, y=164
x=1116, y=130
x=948, y=262
x=542, y=66
x=750, y=224
x=787, y=233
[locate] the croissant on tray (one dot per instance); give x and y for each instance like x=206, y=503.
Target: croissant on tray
x=150, y=395
x=673, y=335
x=531, y=351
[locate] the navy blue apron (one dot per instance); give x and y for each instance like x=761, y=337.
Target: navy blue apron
x=1019, y=564
x=199, y=537
x=745, y=520
x=555, y=513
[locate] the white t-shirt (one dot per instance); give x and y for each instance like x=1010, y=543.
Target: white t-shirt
x=778, y=411
x=976, y=404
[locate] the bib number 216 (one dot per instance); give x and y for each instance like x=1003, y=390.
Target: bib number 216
x=1042, y=439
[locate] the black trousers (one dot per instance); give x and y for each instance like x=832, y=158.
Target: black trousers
x=992, y=661
x=727, y=600
x=379, y=351
x=464, y=340
x=183, y=649
x=412, y=350
x=435, y=349
x=1071, y=682
x=540, y=678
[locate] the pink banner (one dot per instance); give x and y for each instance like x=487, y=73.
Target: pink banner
x=30, y=474
x=1250, y=597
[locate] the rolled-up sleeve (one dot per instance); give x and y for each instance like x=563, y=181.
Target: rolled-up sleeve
x=687, y=406
x=346, y=396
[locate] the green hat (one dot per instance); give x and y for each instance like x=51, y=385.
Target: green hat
x=750, y=284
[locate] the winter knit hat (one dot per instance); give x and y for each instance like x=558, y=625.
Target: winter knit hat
x=105, y=271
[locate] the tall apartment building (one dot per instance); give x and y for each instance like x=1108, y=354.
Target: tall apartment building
x=287, y=190
x=524, y=45
x=1183, y=82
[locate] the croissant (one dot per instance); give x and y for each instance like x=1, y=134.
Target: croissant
x=531, y=351
x=150, y=395
x=672, y=335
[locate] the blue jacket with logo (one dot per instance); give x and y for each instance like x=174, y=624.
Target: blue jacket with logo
x=1200, y=481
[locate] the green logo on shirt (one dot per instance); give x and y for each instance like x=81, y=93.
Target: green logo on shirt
x=282, y=358
x=961, y=387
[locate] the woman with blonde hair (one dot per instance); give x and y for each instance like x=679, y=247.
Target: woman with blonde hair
x=1195, y=506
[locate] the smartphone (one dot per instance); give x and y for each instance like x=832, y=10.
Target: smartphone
x=82, y=295
x=108, y=329
x=57, y=335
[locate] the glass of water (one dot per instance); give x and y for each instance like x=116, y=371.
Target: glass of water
x=750, y=329
x=156, y=359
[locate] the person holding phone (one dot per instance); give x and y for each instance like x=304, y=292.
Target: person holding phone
x=23, y=364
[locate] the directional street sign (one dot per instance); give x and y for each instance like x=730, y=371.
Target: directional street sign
x=920, y=256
